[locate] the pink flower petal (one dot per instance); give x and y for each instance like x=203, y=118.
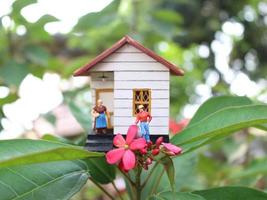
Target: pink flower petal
x=115, y=155
x=172, y=148
x=128, y=160
x=132, y=132
x=138, y=144
x=119, y=141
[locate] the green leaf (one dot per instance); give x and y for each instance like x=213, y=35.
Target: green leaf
x=36, y=30
x=19, y=4
x=53, y=138
x=185, y=176
x=37, y=55
x=99, y=19
x=257, y=167
x=262, y=127
x=167, y=16
x=45, y=181
x=220, y=124
x=232, y=193
x=100, y=170
x=176, y=196
x=9, y=77
x=169, y=168
x=24, y=151
x=9, y=99
x=46, y=19
x=83, y=118
x=217, y=103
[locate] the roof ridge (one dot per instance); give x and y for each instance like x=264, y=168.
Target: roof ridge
x=127, y=39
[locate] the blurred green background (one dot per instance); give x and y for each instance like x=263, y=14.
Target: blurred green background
x=221, y=45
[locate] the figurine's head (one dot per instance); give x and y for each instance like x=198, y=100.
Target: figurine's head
x=141, y=108
x=99, y=102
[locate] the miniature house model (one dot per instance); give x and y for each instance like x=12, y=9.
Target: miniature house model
x=123, y=77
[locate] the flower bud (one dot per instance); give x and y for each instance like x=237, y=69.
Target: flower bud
x=143, y=151
x=159, y=141
x=149, y=144
x=148, y=161
x=155, y=152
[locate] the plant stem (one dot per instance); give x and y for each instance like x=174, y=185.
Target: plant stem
x=138, y=183
x=157, y=182
x=117, y=190
x=127, y=177
x=149, y=175
x=103, y=189
x=131, y=183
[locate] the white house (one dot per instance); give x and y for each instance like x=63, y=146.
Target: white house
x=127, y=75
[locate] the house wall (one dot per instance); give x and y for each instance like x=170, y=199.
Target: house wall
x=134, y=69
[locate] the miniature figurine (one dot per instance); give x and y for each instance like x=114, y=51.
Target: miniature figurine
x=100, y=113
x=144, y=118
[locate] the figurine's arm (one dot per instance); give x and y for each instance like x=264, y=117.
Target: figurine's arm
x=149, y=118
x=137, y=119
x=94, y=113
x=108, y=114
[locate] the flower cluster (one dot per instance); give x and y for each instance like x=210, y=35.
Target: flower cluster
x=135, y=151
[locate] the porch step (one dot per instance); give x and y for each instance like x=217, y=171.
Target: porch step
x=104, y=142
x=98, y=148
x=99, y=142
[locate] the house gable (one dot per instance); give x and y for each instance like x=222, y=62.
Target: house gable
x=131, y=52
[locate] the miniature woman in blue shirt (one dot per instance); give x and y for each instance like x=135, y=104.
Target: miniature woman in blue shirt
x=100, y=113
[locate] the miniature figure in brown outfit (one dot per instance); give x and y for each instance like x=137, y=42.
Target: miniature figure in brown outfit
x=100, y=113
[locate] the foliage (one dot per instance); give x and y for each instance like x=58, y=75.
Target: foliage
x=23, y=151
x=175, y=30
x=18, y=156
x=55, y=180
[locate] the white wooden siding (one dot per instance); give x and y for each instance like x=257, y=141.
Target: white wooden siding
x=125, y=82
x=128, y=94
x=129, y=57
x=129, y=66
x=102, y=84
x=143, y=75
x=164, y=130
x=141, y=84
x=127, y=48
x=127, y=112
x=127, y=121
x=128, y=103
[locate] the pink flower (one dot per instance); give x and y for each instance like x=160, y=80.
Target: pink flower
x=178, y=127
x=124, y=155
x=171, y=149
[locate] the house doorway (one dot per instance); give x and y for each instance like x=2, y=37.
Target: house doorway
x=107, y=96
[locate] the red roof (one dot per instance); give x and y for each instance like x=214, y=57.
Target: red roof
x=126, y=39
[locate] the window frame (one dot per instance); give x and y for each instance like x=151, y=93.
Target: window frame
x=141, y=102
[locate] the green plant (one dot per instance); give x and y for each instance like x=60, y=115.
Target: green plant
x=50, y=169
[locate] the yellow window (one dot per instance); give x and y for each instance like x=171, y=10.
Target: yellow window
x=141, y=97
